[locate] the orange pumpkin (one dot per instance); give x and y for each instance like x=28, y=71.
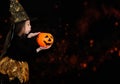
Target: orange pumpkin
x=45, y=39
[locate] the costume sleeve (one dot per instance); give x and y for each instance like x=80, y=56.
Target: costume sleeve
x=28, y=46
x=23, y=49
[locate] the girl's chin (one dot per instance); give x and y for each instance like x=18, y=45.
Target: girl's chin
x=27, y=32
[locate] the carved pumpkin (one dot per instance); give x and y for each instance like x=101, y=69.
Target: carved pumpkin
x=45, y=39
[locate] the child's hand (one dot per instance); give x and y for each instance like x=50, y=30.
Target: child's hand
x=42, y=48
x=30, y=35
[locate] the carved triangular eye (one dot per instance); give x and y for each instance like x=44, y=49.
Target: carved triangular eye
x=46, y=36
x=51, y=37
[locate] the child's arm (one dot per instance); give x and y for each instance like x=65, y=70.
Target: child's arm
x=30, y=35
x=42, y=48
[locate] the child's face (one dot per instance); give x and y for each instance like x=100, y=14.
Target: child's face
x=27, y=27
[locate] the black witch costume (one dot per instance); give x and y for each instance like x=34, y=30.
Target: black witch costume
x=17, y=50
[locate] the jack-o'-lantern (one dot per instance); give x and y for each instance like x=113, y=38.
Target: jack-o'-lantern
x=45, y=39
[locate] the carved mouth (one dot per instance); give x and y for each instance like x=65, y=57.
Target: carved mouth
x=47, y=43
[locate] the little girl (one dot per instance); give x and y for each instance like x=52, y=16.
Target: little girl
x=19, y=48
